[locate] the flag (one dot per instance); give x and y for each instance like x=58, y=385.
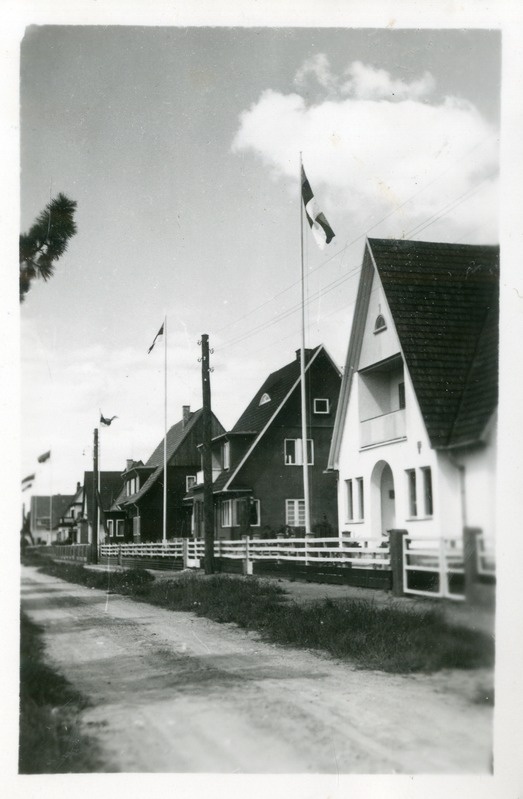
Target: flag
x=27, y=486
x=105, y=421
x=45, y=457
x=28, y=479
x=160, y=333
x=322, y=231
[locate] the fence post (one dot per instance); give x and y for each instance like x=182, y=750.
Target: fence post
x=119, y=554
x=397, y=545
x=470, y=562
x=247, y=562
x=185, y=552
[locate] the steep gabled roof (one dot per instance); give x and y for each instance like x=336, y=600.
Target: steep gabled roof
x=110, y=487
x=444, y=299
x=256, y=418
x=176, y=435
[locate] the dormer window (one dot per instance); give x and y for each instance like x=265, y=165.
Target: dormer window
x=264, y=399
x=380, y=324
x=226, y=455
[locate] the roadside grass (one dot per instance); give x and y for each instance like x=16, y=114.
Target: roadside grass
x=391, y=639
x=50, y=739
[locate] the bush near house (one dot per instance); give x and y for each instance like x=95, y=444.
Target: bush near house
x=390, y=638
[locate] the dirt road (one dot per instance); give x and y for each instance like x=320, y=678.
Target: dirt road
x=175, y=693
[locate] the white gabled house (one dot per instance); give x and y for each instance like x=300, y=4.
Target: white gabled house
x=414, y=441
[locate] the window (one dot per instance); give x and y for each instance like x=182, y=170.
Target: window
x=264, y=399
x=401, y=395
x=427, y=491
x=254, y=512
x=295, y=512
x=321, y=406
x=294, y=450
x=413, y=505
x=226, y=455
x=110, y=527
x=119, y=528
x=354, y=496
x=132, y=486
x=190, y=481
x=226, y=519
x=380, y=324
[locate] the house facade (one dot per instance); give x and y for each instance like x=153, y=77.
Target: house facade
x=258, y=465
x=67, y=526
x=110, y=486
x=137, y=512
x=414, y=443
x=44, y=530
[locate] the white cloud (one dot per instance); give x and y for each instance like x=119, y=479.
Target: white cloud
x=382, y=150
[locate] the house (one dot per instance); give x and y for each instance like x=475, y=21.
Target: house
x=414, y=441
x=137, y=512
x=41, y=509
x=67, y=527
x=110, y=484
x=258, y=465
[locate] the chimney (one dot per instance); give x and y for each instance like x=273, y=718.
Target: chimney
x=186, y=414
x=128, y=464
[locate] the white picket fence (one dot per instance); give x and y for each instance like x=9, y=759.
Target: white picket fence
x=439, y=558
x=486, y=556
x=308, y=551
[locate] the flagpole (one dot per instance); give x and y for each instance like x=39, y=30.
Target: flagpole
x=164, y=535
x=302, y=371
x=50, y=501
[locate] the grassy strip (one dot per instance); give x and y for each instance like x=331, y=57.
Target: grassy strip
x=50, y=738
x=388, y=638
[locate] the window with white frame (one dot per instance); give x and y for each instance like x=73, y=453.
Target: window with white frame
x=354, y=499
x=293, y=452
x=190, y=481
x=428, y=505
x=119, y=528
x=226, y=455
x=411, y=487
x=132, y=486
x=254, y=513
x=295, y=512
x=110, y=526
x=321, y=405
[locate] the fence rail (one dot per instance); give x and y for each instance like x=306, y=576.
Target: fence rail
x=486, y=556
x=434, y=567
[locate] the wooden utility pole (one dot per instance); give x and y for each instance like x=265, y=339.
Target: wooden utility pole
x=95, y=498
x=208, y=505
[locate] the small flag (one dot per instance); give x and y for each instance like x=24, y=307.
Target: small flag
x=45, y=457
x=28, y=479
x=105, y=421
x=322, y=231
x=27, y=486
x=160, y=333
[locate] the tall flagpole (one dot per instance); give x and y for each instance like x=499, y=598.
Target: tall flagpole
x=164, y=536
x=302, y=372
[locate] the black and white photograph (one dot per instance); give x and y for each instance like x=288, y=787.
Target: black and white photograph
x=261, y=419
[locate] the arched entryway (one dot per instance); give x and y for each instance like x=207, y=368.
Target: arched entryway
x=383, y=502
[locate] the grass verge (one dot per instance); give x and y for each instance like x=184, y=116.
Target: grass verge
x=50, y=741
x=390, y=638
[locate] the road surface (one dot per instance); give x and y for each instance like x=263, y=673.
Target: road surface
x=175, y=693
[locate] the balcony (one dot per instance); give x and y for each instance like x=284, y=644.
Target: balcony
x=380, y=429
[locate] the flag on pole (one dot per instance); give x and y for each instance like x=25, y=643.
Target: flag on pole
x=45, y=457
x=28, y=479
x=27, y=486
x=105, y=421
x=322, y=231
x=160, y=333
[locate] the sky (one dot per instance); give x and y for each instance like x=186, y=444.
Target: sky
x=181, y=147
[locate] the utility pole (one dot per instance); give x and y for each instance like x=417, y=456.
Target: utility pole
x=94, y=515
x=208, y=505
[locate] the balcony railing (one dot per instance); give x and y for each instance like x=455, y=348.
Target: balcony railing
x=379, y=429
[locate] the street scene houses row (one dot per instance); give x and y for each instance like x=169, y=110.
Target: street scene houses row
x=406, y=439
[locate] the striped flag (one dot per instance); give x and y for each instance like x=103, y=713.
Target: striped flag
x=160, y=333
x=45, y=457
x=28, y=479
x=322, y=231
